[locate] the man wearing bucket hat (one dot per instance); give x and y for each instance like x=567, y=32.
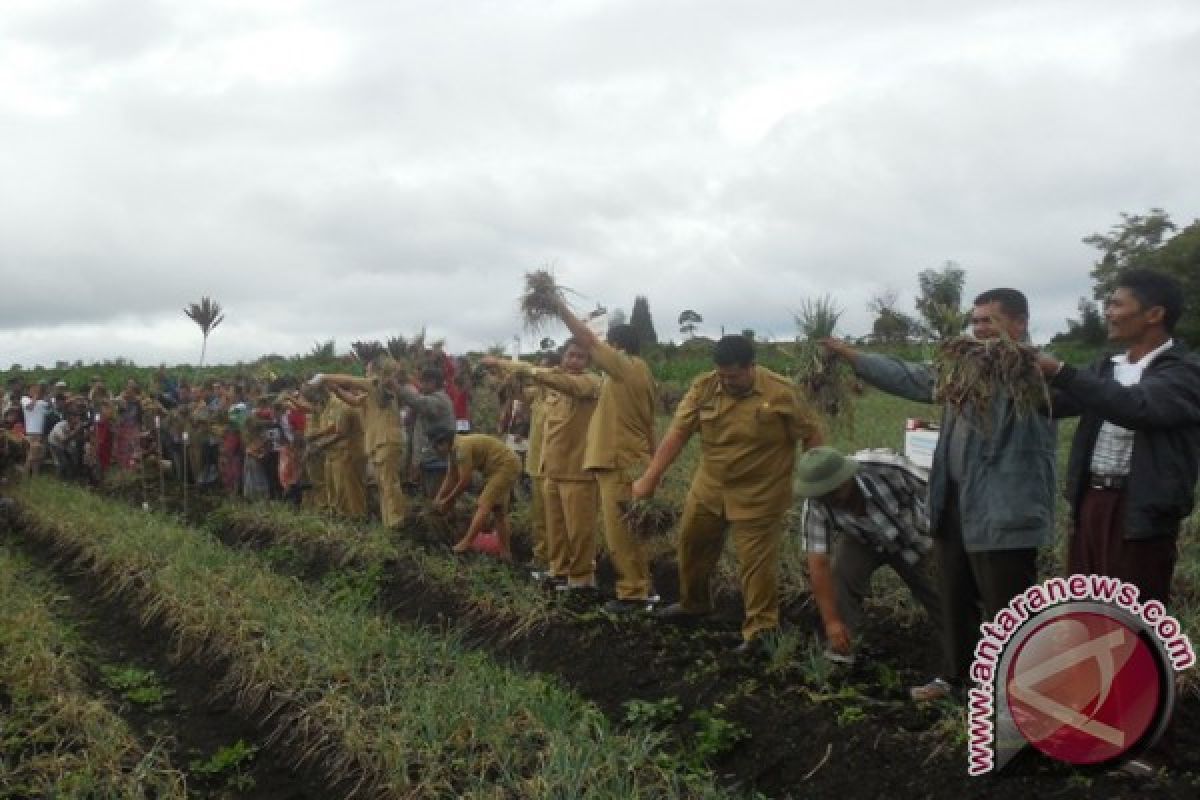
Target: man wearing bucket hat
x=862, y=512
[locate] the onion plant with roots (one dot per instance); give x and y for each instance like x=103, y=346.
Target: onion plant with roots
x=972, y=372
x=826, y=382
x=541, y=300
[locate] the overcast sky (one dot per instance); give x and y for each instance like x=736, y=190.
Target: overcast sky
x=356, y=169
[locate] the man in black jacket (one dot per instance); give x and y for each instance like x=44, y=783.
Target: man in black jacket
x=1131, y=476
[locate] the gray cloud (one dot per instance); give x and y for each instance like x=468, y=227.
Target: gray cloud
x=359, y=170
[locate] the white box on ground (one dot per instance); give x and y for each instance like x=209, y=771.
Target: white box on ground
x=920, y=441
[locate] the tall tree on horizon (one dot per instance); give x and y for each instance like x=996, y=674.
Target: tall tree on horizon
x=642, y=322
x=206, y=314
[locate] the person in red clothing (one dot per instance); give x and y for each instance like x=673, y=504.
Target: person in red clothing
x=103, y=439
x=457, y=381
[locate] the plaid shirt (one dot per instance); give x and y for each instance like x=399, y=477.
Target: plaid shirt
x=896, y=521
x=1114, y=445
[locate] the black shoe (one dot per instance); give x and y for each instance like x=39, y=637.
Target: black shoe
x=753, y=648
x=620, y=606
x=675, y=612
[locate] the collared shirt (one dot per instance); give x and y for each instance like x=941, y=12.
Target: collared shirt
x=622, y=426
x=748, y=443
x=1114, y=445
x=896, y=519
x=535, y=397
x=35, y=415
x=567, y=410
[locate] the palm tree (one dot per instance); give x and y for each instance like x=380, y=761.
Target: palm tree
x=207, y=314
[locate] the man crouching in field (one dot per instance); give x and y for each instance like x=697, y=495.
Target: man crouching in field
x=865, y=511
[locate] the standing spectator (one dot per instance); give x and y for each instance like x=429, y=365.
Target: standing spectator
x=750, y=423
x=66, y=442
x=97, y=393
x=104, y=437
x=620, y=440
x=571, y=496
x=991, y=489
x=129, y=426
x=1131, y=474
x=375, y=397
x=36, y=408
x=431, y=408
x=534, y=397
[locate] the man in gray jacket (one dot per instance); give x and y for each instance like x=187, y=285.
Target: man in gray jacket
x=991, y=489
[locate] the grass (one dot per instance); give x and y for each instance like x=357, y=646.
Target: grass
x=391, y=711
x=57, y=739
x=491, y=591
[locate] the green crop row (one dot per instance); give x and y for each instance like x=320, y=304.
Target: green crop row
x=57, y=739
x=488, y=590
x=387, y=710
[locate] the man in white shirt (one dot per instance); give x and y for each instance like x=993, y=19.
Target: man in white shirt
x=1131, y=475
x=35, y=407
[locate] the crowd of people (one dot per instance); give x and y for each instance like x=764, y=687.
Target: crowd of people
x=307, y=442
x=963, y=535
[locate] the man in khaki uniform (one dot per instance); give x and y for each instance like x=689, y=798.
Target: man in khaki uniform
x=750, y=421
x=383, y=433
x=346, y=464
x=534, y=396
x=619, y=442
x=571, y=492
x=500, y=467
x=314, y=400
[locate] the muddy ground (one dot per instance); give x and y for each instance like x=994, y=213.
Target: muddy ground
x=797, y=732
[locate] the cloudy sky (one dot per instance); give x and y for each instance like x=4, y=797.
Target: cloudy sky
x=361, y=168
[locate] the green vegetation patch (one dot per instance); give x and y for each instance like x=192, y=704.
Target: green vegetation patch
x=391, y=710
x=56, y=738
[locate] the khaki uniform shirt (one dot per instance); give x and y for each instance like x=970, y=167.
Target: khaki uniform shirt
x=535, y=396
x=346, y=420
x=568, y=410
x=748, y=444
x=380, y=417
x=487, y=454
x=622, y=426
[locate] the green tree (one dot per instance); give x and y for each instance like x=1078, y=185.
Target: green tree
x=688, y=320
x=1089, y=329
x=891, y=326
x=1143, y=242
x=206, y=314
x=642, y=322
x=939, y=300
x=1130, y=243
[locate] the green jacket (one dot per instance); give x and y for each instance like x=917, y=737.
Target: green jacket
x=1006, y=486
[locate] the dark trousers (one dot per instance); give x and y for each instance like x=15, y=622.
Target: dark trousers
x=1097, y=545
x=974, y=587
x=853, y=565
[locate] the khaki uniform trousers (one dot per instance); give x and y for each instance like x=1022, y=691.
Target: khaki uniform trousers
x=389, y=475
x=756, y=544
x=537, y=521
x=626, y=550
x=571, y=529
x=37, y=453
x=317, y=497
x=348, y=491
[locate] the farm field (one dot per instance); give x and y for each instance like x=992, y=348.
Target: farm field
x=249, y=650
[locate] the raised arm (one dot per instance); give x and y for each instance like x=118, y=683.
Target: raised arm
x=892, y=375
